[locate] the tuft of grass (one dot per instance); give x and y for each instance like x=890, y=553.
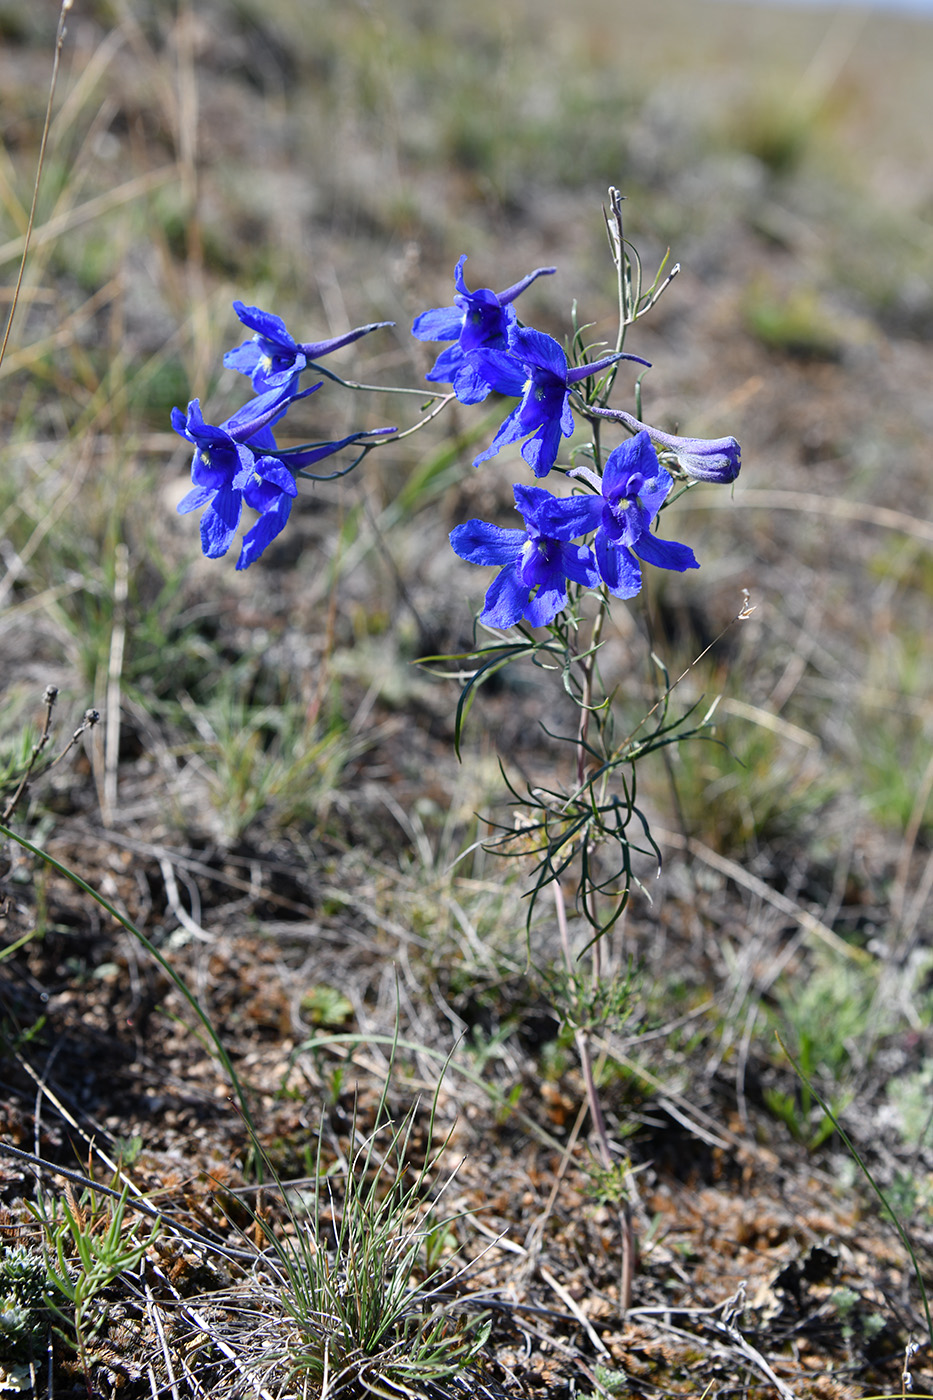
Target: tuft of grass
x=23, y=1281
x=776, y=128
x=752, y=784
x=355, y=1296
x=281, y=760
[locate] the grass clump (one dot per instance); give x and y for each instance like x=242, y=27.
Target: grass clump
x=281, y=760
x=356, y=1294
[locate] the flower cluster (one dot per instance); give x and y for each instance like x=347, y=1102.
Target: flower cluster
x=596, y=539
x=238, y=461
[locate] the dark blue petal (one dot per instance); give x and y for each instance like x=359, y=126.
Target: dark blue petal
x=536, y=348
x=262, y=411
x=442, y=323
x=585, y=371
x=227, y=464
x=618, y=568
x=579, y=564
x=634, y=455
x=545, y=605
x=485, y=322
x=317, y=349
x=265, y=324
x=561, y=518
x=447, y=365
x=469, y=383
x=459, y=281
x=480, y=543
x=665, y=554
x=270, y=524
x=512, y=292
x=510, y=431
x=219, y=522
x=269, y=479
x=540, y=451
x=505, y=600
x=501, y=370
x=305, y=457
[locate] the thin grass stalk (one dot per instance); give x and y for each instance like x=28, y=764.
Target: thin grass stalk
x=56, y=60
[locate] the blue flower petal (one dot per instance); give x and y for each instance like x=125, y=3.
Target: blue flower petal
x=618, y=568
x=506, y=599
x=561, y=518
x=219, y=522
x=267, y=527
x=480, y=543
x=665, y=554
x=510, y=431
x=540, y=451
x=535, y=348
x=545, y=605
x=195, y=499
x=441, y=323
x=267, y=325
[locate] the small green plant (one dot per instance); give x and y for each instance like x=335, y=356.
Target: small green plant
x=795, y=1109
x=279, y=758
x=87, y=1248
x=358, y=1302
x=912, y=1097
x=827, y=1018
x=885, y=1198
x=22, y=1311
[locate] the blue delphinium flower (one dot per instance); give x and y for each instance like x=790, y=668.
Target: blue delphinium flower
x=703, y=459
x=477, y=320
x=535, y=368
x=535, y=563
x=239, y=462
x=229, y=458
x=273, y=359
x=631, y=491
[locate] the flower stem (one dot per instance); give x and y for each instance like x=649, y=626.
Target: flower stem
x=588, y=665
x=582, y=1039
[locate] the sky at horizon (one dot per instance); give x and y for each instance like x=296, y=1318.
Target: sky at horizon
x=915, y=7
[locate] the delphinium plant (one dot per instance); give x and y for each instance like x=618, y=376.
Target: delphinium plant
x=578, y=552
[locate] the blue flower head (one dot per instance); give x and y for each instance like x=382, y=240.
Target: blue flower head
x=631, y=491
x=239, y=461
x=476, y=321
x=231, y=464
x=273, y=359
x=535, y=367
x=535, y=563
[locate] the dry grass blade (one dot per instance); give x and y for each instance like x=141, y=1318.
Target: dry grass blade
x=23, y=250
x=746, y=880
x=807, y=503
